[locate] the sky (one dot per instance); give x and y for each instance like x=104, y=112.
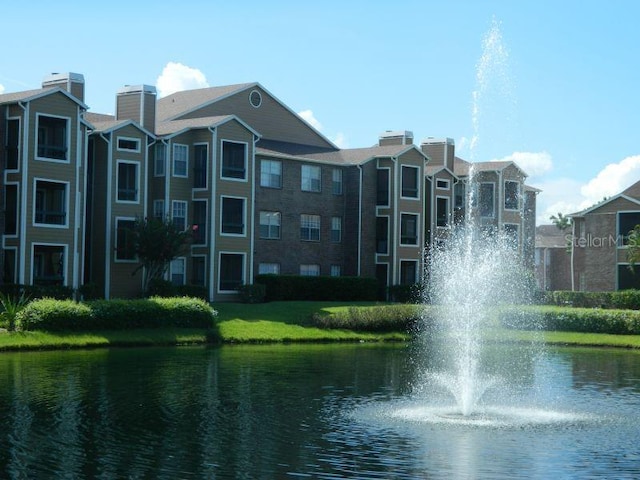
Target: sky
x=551, y=85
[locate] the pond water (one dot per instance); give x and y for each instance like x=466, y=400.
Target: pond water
x=312, y=411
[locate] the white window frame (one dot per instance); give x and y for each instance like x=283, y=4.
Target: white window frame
x=15, y=262
x=305, y=218
x=206, y=226
x=388, y=204
x=160, y=159
x=244, y=269
x=68, y=139
x=493, y=212
x=159, y=209
x=180, y=203
x=206, y=176
x=417, y=197
x=307, y=178
x=246, y=161
x=446, y=184
x=386, y=253
x=269, y=174
x=517, y=229
x=115, y=242
x=244, y=216
x=175, y=147
x=336, y=222
x=65, y=257
x=183, y=261
x=19, y=146
x=66, y=200
x=137, y=181
x=417, y=273
x=270, y=214
x=417, y=216
x=518, y=196
x=310, y=269
x=17, y=185
x=128, y=139
x=448, y=199
x=193, y=257
x=272, y=268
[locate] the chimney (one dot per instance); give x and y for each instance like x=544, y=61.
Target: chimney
x=71, y=82
x=398, y=137
x=441, y=151
x=138, y=103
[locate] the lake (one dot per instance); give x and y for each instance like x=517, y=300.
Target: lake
x=309, y=411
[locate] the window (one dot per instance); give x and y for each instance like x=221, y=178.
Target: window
x=11, y=209
x=48, y=264
x=443, y=184
x=336, y=181
x=232, y=216
x=125, y=246
x=234, y=160
x=179, y=214
x=180, y=160
x=336, y=270
x=382, y=235
x=158, y=209
x=442, y=211
x=336, y=229
x=177, y=271
x=487, y=200
x=160, y=162
x=231, y=271
x=53, y=143
x=270, y=225
x=511, y=234
x=310, y=270
x=310, y=228
x=271, y=173
x=408, y=229
x=199, y=224
x=50, y=203
x=198, y=270
x=511, y=195
x=459, y=194
x=12, y=143
x=200, y=157
x=626, y=222
x=127, y=181
x=382, y=191
x=409, y=182
x=310, y=175
x=408, y=272
x=269, y=268
x=128, y=144
x=9, y=270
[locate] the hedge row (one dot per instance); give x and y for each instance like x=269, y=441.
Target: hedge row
x=623, y=299
x=381, y=318
x=300, y=287
x=50, y=314
x=586, y=320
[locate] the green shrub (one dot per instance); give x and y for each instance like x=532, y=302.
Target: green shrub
x=381, y=318
x=406, y=293
x=11, y=305
x=586, y=320
x=255, y=293
x=323, y=288
x=623, y=299
x=60, y=292
x=159, y=287
x=195, y=291
x=90, y=291
x=50, y=314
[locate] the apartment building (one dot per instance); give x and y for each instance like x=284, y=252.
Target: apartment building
x=263, y=191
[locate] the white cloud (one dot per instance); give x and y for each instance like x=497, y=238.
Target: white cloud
x=340, y=140
x=612, y=179
x=307, y=115
x=534, y=164
x=176, y=77
x=1, y=88
x=560, y=195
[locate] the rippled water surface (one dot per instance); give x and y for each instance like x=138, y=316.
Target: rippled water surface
x=329, y=411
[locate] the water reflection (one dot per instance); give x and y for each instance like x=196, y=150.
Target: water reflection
x=279, y=411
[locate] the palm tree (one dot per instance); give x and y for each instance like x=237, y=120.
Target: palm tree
x=561, y=221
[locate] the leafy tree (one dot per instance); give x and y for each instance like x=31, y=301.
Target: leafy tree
x=561, y=221
x=156, y=243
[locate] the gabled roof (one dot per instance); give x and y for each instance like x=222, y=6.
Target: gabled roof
x=181, y=103
x=605, y=202
x=461, y=167
x=633, y=191
x=29, y=95
x=101, y=123
x=350, y=156
x=550, y=236
x=431, y=170
x=176, y=127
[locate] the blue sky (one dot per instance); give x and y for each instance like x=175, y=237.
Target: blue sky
x=552, y=85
